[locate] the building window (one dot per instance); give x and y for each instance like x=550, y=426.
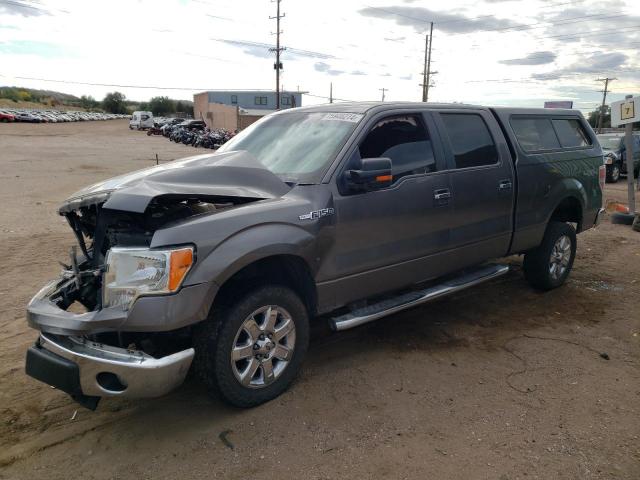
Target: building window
x=260, y=101
x=234, y=99
x=286, y=100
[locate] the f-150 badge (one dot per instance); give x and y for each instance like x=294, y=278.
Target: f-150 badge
x=323, y=212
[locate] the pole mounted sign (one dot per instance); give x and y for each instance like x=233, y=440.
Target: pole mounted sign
x=625, y=111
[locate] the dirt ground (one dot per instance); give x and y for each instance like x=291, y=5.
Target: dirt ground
x=497, y=382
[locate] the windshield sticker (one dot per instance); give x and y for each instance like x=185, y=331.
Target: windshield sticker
x=343, y=117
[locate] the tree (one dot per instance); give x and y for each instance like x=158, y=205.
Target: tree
x=162, y=105
x=184, y=107
x=88, y=102
x=595, y=115
x=115, y=102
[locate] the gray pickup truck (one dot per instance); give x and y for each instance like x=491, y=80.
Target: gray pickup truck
x=344, y=213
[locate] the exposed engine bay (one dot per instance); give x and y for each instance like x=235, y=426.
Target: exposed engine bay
x=98, y=229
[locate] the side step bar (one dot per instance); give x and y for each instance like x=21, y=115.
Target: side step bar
x=390, y=306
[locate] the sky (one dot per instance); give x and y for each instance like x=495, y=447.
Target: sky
x=489, y=52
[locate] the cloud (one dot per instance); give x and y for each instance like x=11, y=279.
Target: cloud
x=535, y=58
x=261, y=50
x=407, y=77
x=16, y=7
x=419, y=17
x=396, y=39
x=326, y=68
x=357, y=72
x=598, y=62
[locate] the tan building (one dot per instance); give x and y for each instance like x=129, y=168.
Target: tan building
x=237, y=109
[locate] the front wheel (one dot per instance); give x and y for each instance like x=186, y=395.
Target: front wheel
x=548, y=266
x=249, y=352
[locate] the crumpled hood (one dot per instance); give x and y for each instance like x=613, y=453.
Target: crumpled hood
x=229, y=174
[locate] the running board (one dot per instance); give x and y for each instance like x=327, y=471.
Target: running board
x=383, y=308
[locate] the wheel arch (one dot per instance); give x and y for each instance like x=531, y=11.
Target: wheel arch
x=284, y=269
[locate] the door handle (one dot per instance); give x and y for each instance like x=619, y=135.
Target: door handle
x=505, y=185
x=443, y=194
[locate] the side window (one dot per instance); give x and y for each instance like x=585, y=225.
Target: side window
x=571, y=133
x=405, y=140
x=535, y=134
x=470, y=139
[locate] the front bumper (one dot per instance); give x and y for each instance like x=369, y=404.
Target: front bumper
x=599, y=216
x=87, y=370
x=157, y=313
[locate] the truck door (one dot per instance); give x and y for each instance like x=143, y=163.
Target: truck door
x=482, y=184
x=390, y=238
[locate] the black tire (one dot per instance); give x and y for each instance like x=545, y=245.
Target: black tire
x=620, y=218
x=538, y=264
x=613, y=173
x=215, y=338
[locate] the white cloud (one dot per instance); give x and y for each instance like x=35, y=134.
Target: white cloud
x=209, y=44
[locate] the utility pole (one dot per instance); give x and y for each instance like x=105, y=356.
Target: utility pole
x=428, y=75
x=383, y=90
x=331, y=92
x=278, y=65
x=604, y=99
x=424, y=70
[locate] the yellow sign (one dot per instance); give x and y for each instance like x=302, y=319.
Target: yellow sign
x=627, y=110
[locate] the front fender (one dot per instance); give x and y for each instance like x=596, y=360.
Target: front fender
x=252, y=244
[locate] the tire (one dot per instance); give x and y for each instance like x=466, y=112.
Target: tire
x=548, y=266
x=620, y=218
x=613, y=173
x=230, y=328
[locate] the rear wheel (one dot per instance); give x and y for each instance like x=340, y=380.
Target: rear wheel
x=548, y=266
x=249, y=352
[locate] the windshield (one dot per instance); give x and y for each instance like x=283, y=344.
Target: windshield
x=610, y=143
x=296, y=146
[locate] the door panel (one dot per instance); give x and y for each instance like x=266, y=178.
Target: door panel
x=482, y=185
x=387, y=239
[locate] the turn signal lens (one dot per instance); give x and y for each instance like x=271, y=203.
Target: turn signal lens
x=180, y=263
x=384, y=178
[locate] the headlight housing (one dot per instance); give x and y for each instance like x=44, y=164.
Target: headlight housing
x=133, y=272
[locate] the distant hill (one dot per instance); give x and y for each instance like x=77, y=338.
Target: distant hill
x=44, y=97
x=21, y=97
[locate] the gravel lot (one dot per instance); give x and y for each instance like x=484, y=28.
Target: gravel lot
x=497, y=382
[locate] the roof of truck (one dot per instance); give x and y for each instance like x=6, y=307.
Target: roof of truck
x=363, y=107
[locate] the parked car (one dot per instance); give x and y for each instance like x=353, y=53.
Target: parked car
x=26, y=117
x=614, y=150
x=342, y=213
x=6, y=117
x=141, y=120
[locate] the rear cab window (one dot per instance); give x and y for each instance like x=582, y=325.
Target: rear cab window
x=571, y=133
x=471, y=141
x=535, y=134
x=545, y=133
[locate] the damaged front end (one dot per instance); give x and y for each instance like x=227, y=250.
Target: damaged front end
x=116, y=322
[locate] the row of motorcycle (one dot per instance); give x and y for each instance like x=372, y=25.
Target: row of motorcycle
x=192, y=132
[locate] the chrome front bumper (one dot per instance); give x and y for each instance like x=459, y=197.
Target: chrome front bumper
x=106, y=371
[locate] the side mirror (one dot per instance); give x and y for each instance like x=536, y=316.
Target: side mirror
x=374, y=174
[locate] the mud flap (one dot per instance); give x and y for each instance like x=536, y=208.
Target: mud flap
x=58, y=372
